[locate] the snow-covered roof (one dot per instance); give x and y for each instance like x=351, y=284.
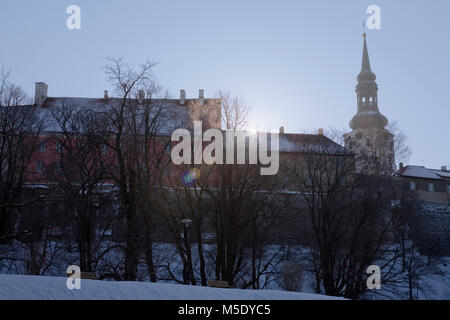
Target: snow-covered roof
x=310, y=143
x=422, y=172
x=172, y=117
x=301, y=143
x=442, y=173
x=177, y=116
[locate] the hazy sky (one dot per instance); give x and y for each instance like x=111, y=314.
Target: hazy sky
x=294, y=62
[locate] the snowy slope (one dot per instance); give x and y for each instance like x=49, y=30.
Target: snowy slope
x=19, y=287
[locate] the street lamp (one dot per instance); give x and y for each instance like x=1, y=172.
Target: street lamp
x=187, y=274
x=187, y=222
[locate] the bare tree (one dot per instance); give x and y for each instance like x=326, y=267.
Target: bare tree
x=291, y=276
x=348, y=216
x=186, y=198
x=135, y=121
x=20, y=127
x=234, y=111
x=78, y=171
x=402, y=150
x=245, y=207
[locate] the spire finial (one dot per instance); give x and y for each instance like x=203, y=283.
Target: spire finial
x=364, y=30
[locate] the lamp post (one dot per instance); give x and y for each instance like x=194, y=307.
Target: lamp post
x=187, y=273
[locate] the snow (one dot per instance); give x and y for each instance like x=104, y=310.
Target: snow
x=444, y=174
x=21, y=287
x=172, y=115
x=419, y=172
x=313, y=143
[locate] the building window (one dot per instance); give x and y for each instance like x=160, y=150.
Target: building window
x=41, y=146
x=40, y=167
x=58, y=147
x=57, y=167
x=448, y=188
x=431, y=187
x=168, y=171
x=412, y=186
x=105, y=149
x=168, y=148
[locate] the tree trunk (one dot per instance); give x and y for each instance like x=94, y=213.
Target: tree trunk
x=131, y=251
x=201, y=256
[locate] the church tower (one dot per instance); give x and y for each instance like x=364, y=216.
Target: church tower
x=371, y=142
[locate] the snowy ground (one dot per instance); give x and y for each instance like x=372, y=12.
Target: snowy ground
x=20, y=287
x=433, y=280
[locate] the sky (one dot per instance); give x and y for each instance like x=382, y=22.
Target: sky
x=294, y=62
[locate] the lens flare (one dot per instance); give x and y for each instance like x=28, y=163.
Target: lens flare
x=190, y=176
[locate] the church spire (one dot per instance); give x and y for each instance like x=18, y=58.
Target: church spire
x=368, y=115
x=372, y=143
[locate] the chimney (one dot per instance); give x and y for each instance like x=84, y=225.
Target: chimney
x=320, y=132
x=40, y=93
x=182, y=97
x=105, y=94
x=400, y=165
x=281, y=130
x=141, y=96
x=201, y=96
x=444, y=168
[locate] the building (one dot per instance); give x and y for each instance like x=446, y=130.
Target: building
x=428, y=192
x=428, y=184
x=51, y=162
x=369, y=139
x=172, y=114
